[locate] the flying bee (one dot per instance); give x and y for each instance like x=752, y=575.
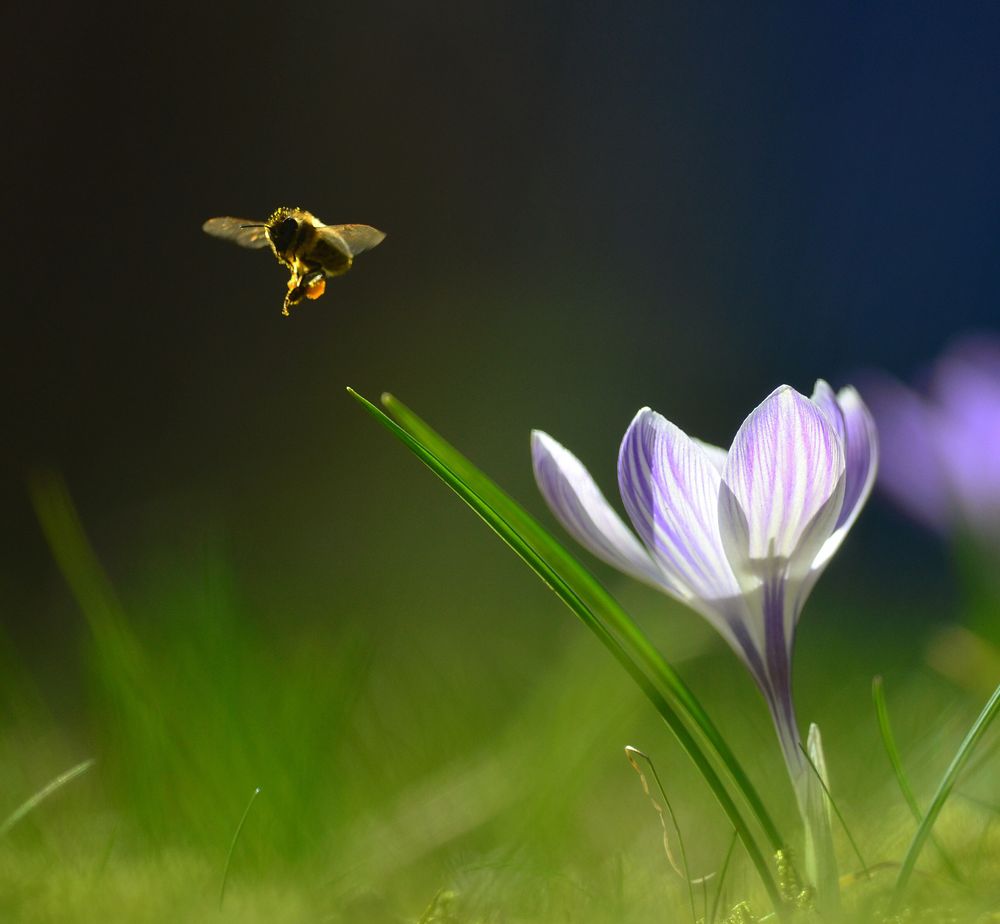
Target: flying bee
x=313, y=251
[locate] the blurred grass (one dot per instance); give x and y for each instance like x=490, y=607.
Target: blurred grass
x=399, y=761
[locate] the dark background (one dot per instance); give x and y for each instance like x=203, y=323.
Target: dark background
x=588, y=209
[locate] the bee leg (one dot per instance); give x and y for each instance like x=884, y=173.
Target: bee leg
x=295, y=292
x=311, y=285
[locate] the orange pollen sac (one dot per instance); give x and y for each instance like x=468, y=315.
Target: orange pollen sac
x=316, y=289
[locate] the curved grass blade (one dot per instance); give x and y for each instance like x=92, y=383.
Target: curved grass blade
x=232, y=846
x=944, y=789
x=892, y=751
x=633, y=755
x=33, y=801
x=513, y=538
x=596, y=597
x=89, y=584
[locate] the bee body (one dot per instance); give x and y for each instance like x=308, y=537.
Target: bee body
x=312, y=251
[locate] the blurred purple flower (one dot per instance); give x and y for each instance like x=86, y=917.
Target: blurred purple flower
x=941, y=453
x=740, y=536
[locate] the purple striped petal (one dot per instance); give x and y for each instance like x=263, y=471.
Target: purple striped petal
x=825, y=398
x=670, y=489
x=578, y=504
x=856, y=428
x=860, y=457
x=784, y=487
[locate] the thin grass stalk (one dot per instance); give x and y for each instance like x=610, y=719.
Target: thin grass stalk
x=633, y=755
x=717, y=901
x=33, y=801
x=232, y=845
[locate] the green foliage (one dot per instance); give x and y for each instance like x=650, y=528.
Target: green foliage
x=892, y=751
x=427, y=764
x=944, y=790
x=191, y=718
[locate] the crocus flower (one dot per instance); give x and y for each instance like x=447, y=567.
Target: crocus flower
x=941, y=453
x=740, y=536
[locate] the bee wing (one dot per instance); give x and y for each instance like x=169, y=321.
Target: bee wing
x=240, y=231
x=352, y=239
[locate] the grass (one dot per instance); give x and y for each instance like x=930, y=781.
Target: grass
x=435, y=766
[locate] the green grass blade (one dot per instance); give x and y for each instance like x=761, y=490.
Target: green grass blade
x=892, y=751
x=232, y=845
x=944, y=789
x=573, y=600
x=596, y=597
x=722, y=880
x=86, y=578
x=32, y=802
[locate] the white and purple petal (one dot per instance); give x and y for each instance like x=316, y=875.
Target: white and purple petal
x=825, y=398
x=670, y=488
x=860, y=440
x=860, y=454
x=785, y=480
x=779, y=501
x=578, y=504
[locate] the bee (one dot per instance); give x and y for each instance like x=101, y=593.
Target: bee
x=313, y=251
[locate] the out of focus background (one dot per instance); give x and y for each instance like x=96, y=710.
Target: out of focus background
x=589, y=209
